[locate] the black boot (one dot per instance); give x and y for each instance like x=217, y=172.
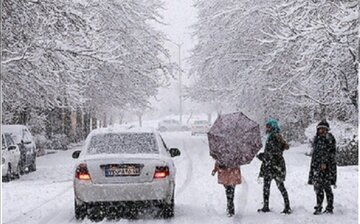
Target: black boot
x=230, y=211
x=287, y=210
x=317, y=210
x=329, y=211
x=264, y=209
x=230, y=191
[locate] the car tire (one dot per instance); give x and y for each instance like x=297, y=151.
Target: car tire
x=94, y=212
x=22, y=167
x=80, y=210
x=7, y=177
x=17, y=173
x=32, y=166
x=168, y=208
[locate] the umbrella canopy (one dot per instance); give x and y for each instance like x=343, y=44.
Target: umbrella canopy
x=234, y=139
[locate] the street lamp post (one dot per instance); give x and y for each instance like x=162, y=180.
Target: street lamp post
x=180, y=80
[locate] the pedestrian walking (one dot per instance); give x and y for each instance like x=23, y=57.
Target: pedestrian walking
x=273, y=165
x=229, y=177
x=234, y=140
x=323, y=167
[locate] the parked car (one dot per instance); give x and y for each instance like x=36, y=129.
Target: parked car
x=10, y=158
x=124, y=166
x=200, y=127
x=23, y=138
x=171, y=125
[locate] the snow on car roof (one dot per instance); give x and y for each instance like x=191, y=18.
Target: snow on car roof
x=118, y=129
x=123, y=129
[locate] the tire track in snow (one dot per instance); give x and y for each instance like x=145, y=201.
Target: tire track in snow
x=189, y=172
x=46, y=202
x=241, y=198
x=60, y=212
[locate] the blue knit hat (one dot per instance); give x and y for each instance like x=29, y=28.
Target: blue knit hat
x=273, y=124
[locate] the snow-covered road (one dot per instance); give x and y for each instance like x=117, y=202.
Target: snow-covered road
x=46, y=196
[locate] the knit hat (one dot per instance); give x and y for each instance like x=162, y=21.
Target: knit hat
x=323, y=124
x=273, y=124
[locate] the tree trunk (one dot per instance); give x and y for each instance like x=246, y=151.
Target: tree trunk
x=140, y=120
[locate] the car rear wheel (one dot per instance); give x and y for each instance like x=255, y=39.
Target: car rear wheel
x=167, y=209
x=17, y=173
x=22, y=167
x=32, y=166
x=80, y=210
x=7, y=177
x=95, y=212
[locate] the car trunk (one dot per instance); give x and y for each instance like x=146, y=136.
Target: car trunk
x=123, y=169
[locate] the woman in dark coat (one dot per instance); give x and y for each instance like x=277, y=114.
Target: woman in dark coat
x=323, y=167
x=273, y=165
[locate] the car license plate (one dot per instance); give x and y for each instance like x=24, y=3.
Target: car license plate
x=114, y=170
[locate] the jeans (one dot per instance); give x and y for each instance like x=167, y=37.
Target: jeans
x=319, y=190
x=281, y=187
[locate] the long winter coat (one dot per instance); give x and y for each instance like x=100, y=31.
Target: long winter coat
x=228, y=176
x=273, y=163
x=324, y=152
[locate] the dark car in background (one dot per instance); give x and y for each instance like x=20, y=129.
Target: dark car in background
x=23, y=138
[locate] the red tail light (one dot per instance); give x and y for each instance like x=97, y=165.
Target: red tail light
x=161, y=172
x=82, y=172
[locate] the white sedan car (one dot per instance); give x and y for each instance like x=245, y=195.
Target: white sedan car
x=118, y=167
x=171, y=125
x=200, y=127
x=10, y=158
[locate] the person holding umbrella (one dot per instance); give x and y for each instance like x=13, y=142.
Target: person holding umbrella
x=234, y=140
x=229, y=177
x=323, y=167
x=273, y=165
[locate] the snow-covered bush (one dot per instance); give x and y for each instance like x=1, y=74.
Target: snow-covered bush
x=41, y=143
x=58, y=142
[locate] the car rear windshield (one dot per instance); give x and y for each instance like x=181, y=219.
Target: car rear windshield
x=131, y=143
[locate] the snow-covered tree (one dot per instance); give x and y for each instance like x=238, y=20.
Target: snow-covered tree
x=316, y=53
x=93, y=55
x=293, y=60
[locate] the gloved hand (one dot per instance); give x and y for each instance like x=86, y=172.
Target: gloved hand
x=213, y=173
x=335, y=186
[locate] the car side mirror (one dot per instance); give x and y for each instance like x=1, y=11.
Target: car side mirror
x=174, y=152
x=11, y=147
x=76, y=154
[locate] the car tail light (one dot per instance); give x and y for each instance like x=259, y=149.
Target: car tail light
x=82, y=172
x=161, y=172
